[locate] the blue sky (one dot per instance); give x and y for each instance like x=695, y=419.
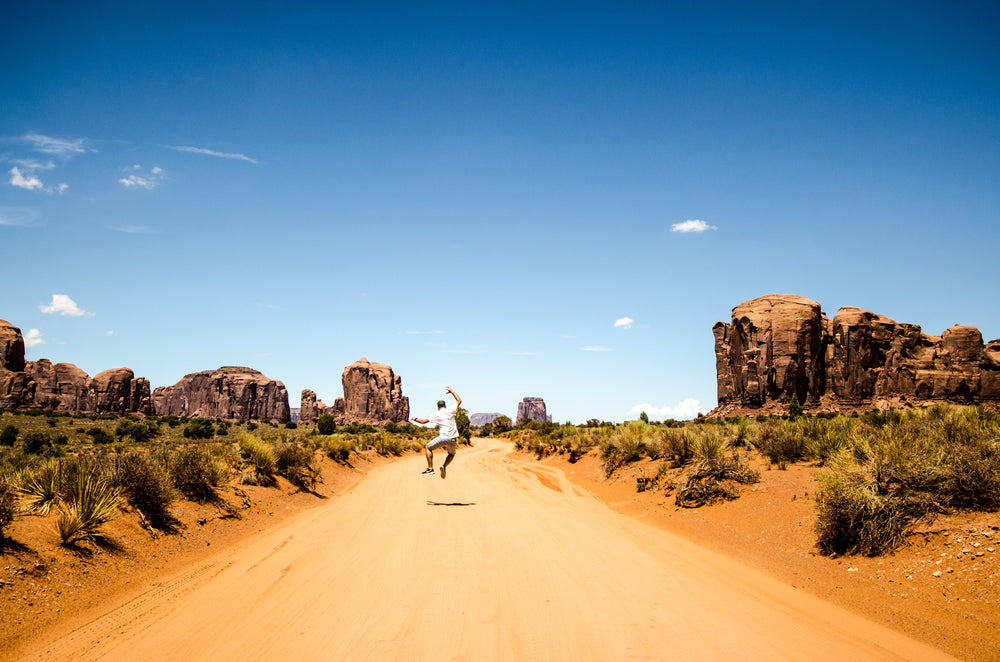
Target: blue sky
x=497, y=197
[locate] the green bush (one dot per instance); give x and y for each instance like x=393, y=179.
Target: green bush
x=502, y=424
x=326, y=424
x=42, y=487
x=138, y=431
x=337, y=448
x=100, y=435
x=92, y=501
x=8, y=435
x=146, y=485
x=295, y=463
x=194, y=473
x=781, y=442
x=259, y=460
x=629, y=443
x=199, y=428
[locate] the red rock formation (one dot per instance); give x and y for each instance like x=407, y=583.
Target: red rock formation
x=11, y=348
x=231, y=392
x=532, y=409
x=779, y=345
x=372, y=394
x=310, y=408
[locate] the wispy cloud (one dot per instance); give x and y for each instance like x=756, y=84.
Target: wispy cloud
x=211, y=152
x=692, y=226
x=687, y=408
x=27, y=182
x=136, y=179
x=33, y=337
x=595, y=348
x=63, y=305
x=21, y=216
x=64, y=148
x=133, y=229
x=624, y=322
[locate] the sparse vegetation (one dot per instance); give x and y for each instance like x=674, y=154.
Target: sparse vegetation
x=92, y=500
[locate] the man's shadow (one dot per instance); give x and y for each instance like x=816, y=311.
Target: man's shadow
x=453, y=503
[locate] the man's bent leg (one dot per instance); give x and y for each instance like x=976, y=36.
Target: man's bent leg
x=430, y=456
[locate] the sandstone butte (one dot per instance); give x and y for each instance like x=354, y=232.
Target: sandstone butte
x=780, y=345
x=532, y=409
x=229, y=392
x=372, y=394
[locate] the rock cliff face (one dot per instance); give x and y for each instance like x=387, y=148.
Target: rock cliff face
x=779, y=345
x=310, y=408
x=63, y=386
x=231, y=392
x=480, y=419
x=372, y=394
x=532, y=409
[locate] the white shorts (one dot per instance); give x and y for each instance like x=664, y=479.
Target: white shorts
x=449, y=443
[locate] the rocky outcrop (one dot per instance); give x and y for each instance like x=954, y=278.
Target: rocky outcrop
x=782, y=345
x=481, y=419
x=532, y=409
x=310, y=408
x=231, y=392
x=372, y=394
x=63, y=386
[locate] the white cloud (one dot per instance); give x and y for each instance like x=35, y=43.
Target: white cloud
x=624, y=322
x=211, y=152
x=33, y=337
x=63, y=305
x=62, y=147
x=29, y=182
x=62, y=188
x=595, y=348
x=137, y=180
x=31, y=164
x=692, y=226
x=17, y=216
x=686, y=409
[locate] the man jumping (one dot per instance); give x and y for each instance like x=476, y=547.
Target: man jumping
x=447, y=437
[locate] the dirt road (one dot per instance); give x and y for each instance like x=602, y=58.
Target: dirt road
x=504, y=560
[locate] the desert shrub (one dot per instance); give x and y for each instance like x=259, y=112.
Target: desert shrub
x=660, y=479
x=387, y=444
x=827, y=436
x=138, y=431
x=35, y=442
x=295, y=463
x=146, y=485
x=853, y=518
x=337, y=448
x=678, y=446
x=291, y=425
x=194, y=473
x=100, y=435
x=92, y=501
x=199, y=428
x=8, y=435
x=259, y=460
x=326, y=424
x=781, y=442
x=709, y=445
x=715, y=479
x=629, y=443
x=502, y=424
x=41, y=488
x=880, y=419
x=8, y=503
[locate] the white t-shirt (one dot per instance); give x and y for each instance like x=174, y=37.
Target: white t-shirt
x=444, y=419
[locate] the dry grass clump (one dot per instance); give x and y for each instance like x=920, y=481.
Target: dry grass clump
x=628, y=443
x=295, y=462
x=337, y=448
x=8, y=503
x=146, y=485
x=41, y=489
x=260, y=461
x=196, y=473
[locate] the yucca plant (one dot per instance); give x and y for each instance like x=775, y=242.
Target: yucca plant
x=93, y=501
x=41, y=488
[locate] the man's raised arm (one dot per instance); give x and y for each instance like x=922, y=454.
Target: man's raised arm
x=458, y=399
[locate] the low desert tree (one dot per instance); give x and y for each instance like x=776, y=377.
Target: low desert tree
x=502, y=424
x=199, y=428
x=326, y=424
x=463, y=425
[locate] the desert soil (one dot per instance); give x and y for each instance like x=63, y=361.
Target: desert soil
x=506, y=559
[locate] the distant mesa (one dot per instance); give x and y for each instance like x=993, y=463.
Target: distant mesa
x=373, y=394
x=532, y=409
x=231, y=392
x=780, y=345
x=63, y=386
x=479, y=420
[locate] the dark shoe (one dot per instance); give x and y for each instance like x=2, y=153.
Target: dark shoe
x=428, y=472
x=444, y=470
